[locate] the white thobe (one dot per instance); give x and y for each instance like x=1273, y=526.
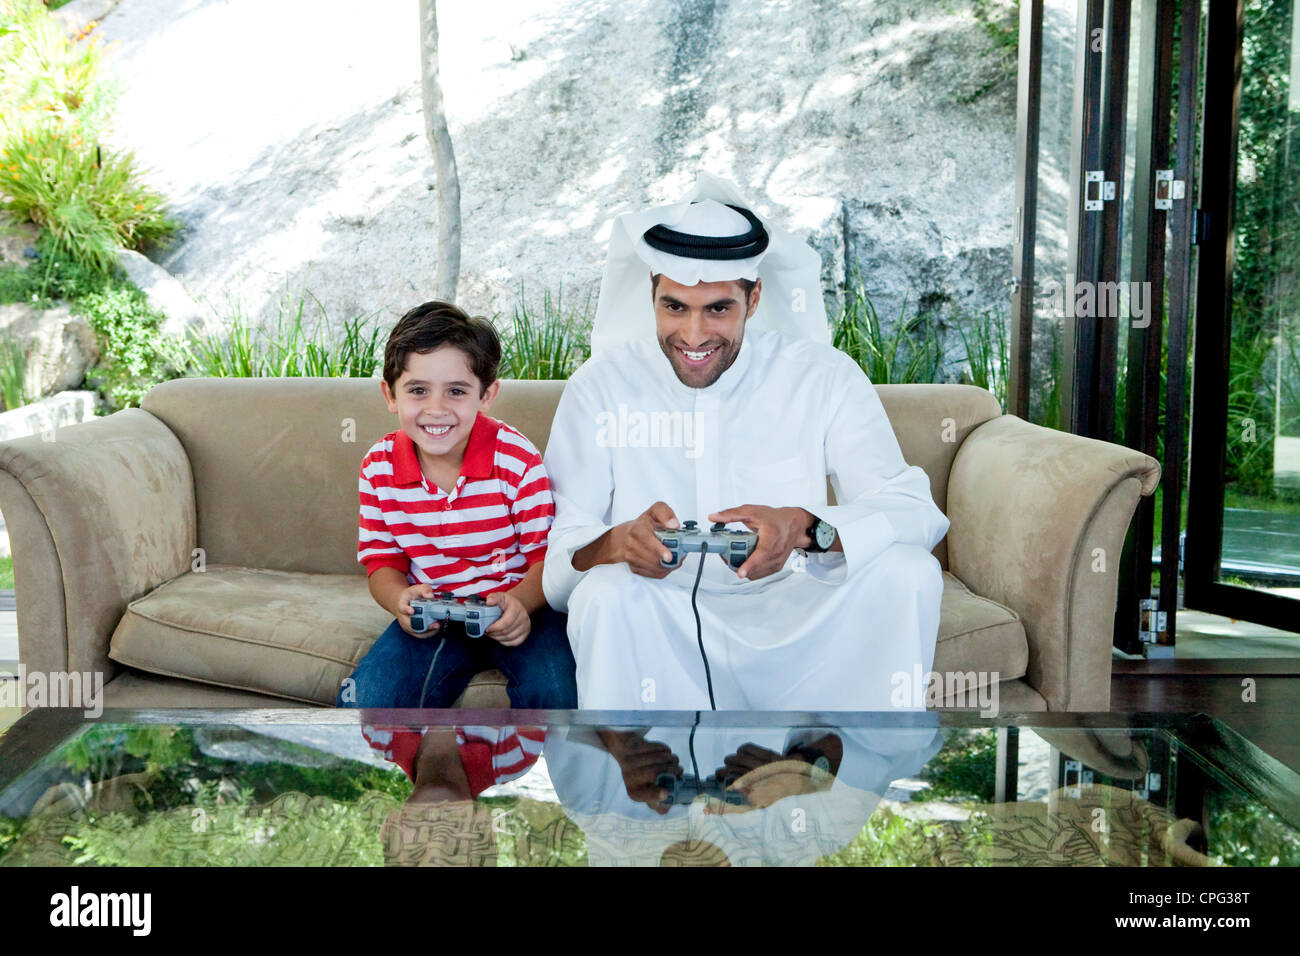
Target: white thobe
x=794, y=830
x=828, y=631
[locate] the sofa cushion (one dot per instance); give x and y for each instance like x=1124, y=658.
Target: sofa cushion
x=297, y=636
x=283, y=633
x=976, y=634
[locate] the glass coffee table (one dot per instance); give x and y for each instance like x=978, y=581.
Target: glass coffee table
x=525, y=788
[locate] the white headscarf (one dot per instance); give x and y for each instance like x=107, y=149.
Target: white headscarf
x=791, y=300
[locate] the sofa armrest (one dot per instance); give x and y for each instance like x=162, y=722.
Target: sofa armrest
x=99, y=513
x=1038, y=524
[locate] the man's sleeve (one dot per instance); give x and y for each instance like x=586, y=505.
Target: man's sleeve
x=583, y=484
x=881, y=499
x=376, y=546
x=533, y=508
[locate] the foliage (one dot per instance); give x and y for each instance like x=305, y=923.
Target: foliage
x=133, y=355
x=54, y=106
x=966, y=767
x=42, y=74
x=13, y=371
x=220, y=829
x=289, y=350
x=988, y=354
x=549, y=346
x=893, y=839
x=1242, y=832
x=52, y=277
x=6, y=574
x=89, y=200
x=1264, y=359
x=908, y=354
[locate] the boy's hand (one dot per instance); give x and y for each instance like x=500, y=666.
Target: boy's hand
x=404, y=609
x=512, y=627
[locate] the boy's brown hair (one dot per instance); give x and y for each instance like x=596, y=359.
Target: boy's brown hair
x=432, y=325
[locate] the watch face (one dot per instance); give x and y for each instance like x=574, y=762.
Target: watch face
x=825, y=535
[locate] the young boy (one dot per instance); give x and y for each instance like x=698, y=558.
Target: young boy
x=455, y=500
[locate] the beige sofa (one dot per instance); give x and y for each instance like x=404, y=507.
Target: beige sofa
x=200, y=551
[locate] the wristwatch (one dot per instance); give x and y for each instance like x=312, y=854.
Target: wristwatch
x=821, y=534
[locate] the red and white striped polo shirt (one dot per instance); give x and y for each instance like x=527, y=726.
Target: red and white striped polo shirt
x=480, y=538
x=489, y=755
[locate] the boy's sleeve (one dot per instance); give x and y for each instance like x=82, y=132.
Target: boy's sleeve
x=533, y=508
x=492, y=755
x=376, y=546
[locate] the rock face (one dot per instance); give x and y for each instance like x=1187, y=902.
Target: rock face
x=162, y=291
x=861, y=125
x=60, y=346
x=16, y=240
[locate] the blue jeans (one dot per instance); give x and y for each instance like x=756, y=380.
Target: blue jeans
x=403, y=671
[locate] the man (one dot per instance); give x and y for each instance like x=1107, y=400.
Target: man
x=701, y=404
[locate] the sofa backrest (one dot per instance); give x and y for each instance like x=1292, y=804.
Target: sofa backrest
x=275, y=461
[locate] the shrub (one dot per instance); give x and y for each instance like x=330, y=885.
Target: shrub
x=290, y=350
x=13, y=372
x=988, y=354
x=54, y=104
x=133, y=356
x=549, y=346
x=909, y=354
x=90, y=202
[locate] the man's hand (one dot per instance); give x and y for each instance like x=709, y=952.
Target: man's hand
x=780, y=531
x=632, y=542
x=765, y=776
x=641, y=761
x=512, y=627
x=404, y=609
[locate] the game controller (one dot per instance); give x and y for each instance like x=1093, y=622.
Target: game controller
x=684, y=789
x=476, y=615
x=732, y=546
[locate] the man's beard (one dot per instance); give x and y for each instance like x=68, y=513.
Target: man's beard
x=725, y=358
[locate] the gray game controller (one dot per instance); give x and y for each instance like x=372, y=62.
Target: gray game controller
x=684, y=789
x=476, y=615
x=732, y=546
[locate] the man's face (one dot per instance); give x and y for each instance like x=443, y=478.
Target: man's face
x=700, y=327
x=436, y=399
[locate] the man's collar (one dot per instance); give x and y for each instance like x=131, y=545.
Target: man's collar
x=480, y=453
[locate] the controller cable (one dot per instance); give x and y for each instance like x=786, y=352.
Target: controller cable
x=441, y=640
x=690, y=743
x=699, y=634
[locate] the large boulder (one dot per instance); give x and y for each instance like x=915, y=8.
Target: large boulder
x=18, y=242
x=883, y=132
x=60, y=346
x=163, y=292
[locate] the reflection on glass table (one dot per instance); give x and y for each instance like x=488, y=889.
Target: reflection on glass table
x=388, y=788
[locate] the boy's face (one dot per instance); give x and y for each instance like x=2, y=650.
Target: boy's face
x=436, y=399
x=701, y=326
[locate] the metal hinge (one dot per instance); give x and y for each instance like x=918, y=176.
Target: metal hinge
x=1105, y=190
x=1168, y=189
x=1152, y=622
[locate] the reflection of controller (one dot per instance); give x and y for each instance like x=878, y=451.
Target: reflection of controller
x=444, y=606
x=684, y=789
x=732, y=546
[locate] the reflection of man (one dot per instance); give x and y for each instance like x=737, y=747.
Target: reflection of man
x=734, y=412
x=808, y=791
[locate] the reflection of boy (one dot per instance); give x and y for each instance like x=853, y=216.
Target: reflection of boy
x=455, y=501
x=441, y=824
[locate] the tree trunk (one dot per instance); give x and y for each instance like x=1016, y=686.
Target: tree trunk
x=435, y=130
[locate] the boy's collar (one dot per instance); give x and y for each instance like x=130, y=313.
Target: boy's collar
x=480, y=453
